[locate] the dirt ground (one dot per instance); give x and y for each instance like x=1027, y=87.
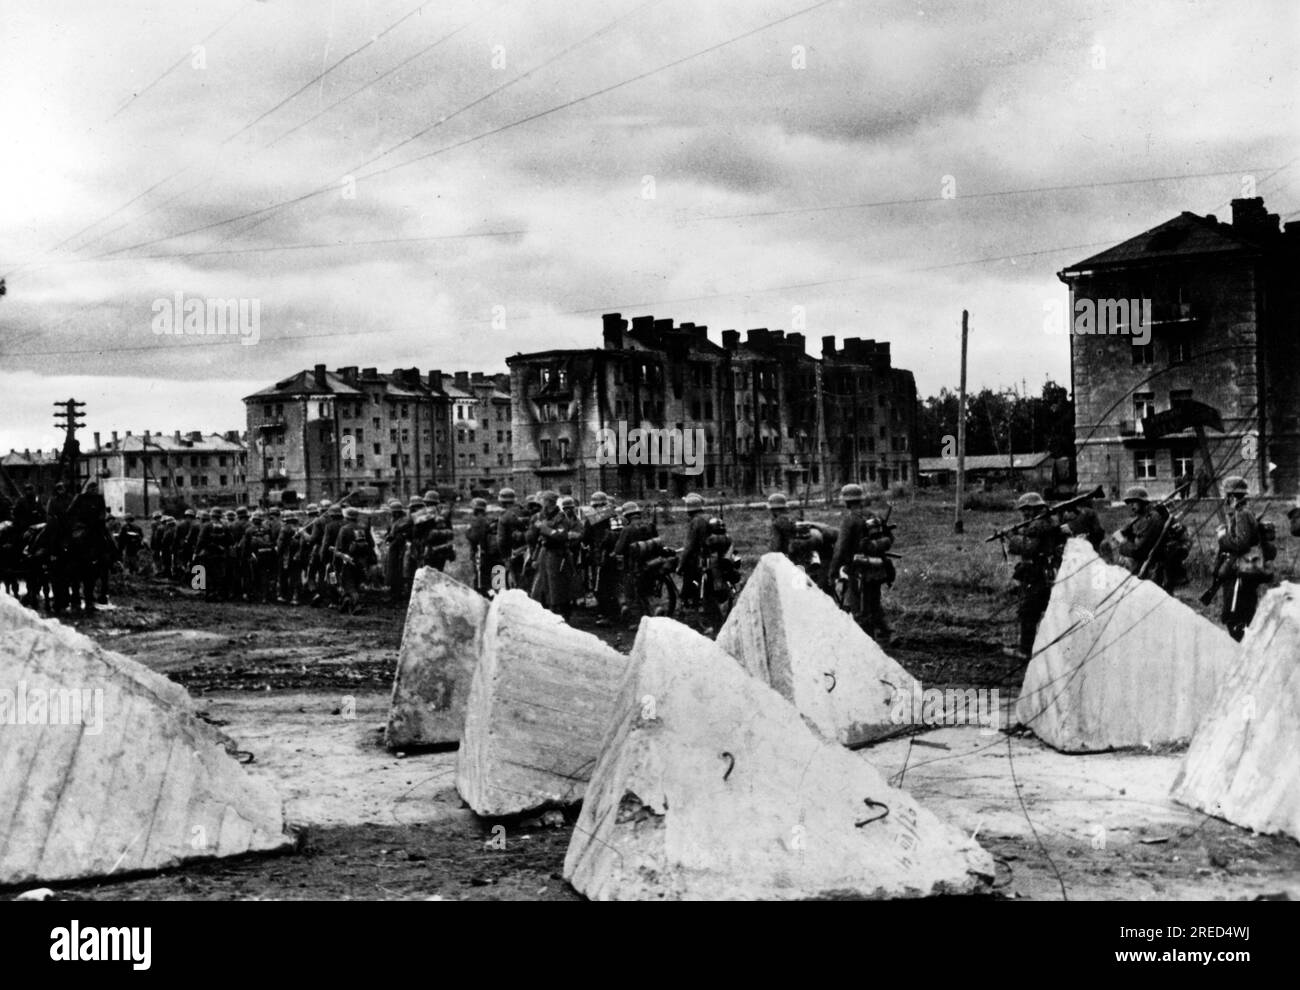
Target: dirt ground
x=306, y=691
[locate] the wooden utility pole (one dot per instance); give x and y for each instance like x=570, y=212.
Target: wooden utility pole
x=958, y=526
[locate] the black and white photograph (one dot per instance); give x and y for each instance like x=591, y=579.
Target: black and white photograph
x=651, y=450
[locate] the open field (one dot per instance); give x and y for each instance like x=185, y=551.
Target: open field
x=305, y=690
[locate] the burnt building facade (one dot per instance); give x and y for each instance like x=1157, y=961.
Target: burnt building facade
x=1195, y=310
x=744, y=416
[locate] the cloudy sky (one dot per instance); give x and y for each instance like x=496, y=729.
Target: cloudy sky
x=439, y=199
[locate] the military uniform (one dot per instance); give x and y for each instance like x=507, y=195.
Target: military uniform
x=260, y=563
x=395, y=543
x=480, y=535
x=558, y=533
x=511, y=527
x=691, y=561
x=860, y=551
x=598, y=540
x=287, y=553
x=212, y=553
x=1140, y=540
x=1038, y=545
x=354, y=551
x=1240, y=560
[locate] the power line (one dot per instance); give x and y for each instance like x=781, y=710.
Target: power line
x=315, y=79
x=274, y=207
x=180, y=61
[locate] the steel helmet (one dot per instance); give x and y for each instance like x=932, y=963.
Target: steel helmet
x=506, y=496
x=479, y=505
x=351, y=512
x=394, y=505
x=567, y=502
x=852, y=493
x=1030, y=500
x=1236, y=485
x=432, y=496
x=630, y=509
x=415, y=503
x=694, y=501
x=776, y=500
x=598, y=499
x=1136, y=493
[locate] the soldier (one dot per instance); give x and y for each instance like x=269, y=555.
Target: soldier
x=598, y=539
x=164, y=547
x=180, y=545
x=395, y=543
x=786, y=536
x=1082, y=520
x=558, y=533
x=130, y=541
x=237, y=522
x=257, y=555
x=354, y=551
x=201, y=518
x=482, y=546
x=327, y=538
x=689, y=562
x=1038, y=545
x=27, y=510
x=534, y=505
x=635, y=529
x=861, y=550
x=511, y=527
x=1241, y=568
x=273, y=523
x=290, y=565
x=85, y=544
x=1142, y=541
x=411, y=551
x=433, y=532
x=212, y=551
x=305, y=549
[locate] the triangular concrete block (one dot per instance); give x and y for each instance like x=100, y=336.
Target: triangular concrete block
x=712, y=786
x=539, y=704
x=105, y=768
x=1244, y=761
x=789, y=634
x=1118, y=662
x=440, y=649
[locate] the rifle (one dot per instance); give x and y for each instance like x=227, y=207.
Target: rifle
x=1218, y=577
x=1052, y=510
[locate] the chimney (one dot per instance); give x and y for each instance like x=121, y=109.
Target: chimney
x=462, y=380
x=1250, y=218
x=756, y=337
x=146, y=435
x=828, y=345
x=435, y=379
x=97, y=441
x=477, y=377
x=797, y=340
x=663, y=326
x=128, y=433
x=640, y=324
x=115, y=438
x=196, y=435
x=730, y=339
x=318, y=375
x=370, y=373
x=178, y=436
x=613, y=326
x=348, y=374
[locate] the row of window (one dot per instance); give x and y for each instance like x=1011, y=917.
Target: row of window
x=1145, y=465
x=162, y=461
x=201, y=481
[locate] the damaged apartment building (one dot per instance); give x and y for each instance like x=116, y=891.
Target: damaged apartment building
x=324, y=434
x=768, y=415
x=1193, y=313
